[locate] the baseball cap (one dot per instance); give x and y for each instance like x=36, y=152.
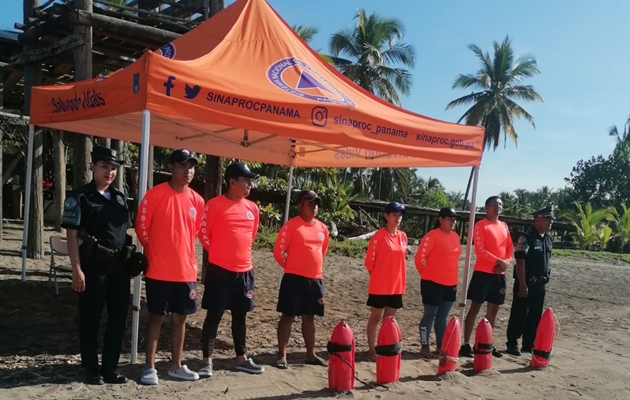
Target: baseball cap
x=238, y=169
x=394, y=207
x=309, y=195
x=181, y=156
x=447, y=212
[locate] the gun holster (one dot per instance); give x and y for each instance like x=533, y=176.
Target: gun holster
x=87, y=248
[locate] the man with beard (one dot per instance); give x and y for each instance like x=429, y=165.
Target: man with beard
x=96, y=215
x=167, y=226
x=228, y=229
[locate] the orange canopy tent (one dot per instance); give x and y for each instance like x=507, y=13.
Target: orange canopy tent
x=244, y=85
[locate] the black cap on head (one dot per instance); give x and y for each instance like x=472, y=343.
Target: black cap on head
x=181, y=156
x=546, y=212
x=447, y=212
x=395, y=207
x=237, y=170
x=309, y=195
x=100, y=153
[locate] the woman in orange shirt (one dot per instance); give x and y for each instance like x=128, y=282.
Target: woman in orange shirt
x=437, y=261
x=385, y=261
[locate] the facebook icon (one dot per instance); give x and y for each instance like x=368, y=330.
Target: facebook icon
x=169, y=85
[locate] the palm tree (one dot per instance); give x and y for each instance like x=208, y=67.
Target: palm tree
x=307, y=33
x=372, y=47
x=498, y=84
x=624, y=136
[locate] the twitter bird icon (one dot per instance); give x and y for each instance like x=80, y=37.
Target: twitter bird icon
x=192, y=92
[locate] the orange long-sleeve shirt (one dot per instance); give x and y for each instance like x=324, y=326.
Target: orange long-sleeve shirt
x=385, y=261
x=167, y=227
x=228, y=230
x=437, y=259
x=301, y=247
x=492, y=241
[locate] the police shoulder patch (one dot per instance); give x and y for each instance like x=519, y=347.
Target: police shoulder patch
x=71, y=212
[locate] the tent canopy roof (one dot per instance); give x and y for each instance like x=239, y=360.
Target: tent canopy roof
x=244, y=85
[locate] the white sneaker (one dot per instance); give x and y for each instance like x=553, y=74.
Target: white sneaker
x=184, y=374
x=206, y=370
x=149, y=377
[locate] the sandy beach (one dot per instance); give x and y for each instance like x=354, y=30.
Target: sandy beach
x=39, y=349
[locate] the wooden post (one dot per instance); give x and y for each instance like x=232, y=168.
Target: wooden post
x=427, y=219
x=214, y=165
x=1, y=186
x=82, y=144
x=59, y=152
x=33, y=77
x=105, y=142
x=151, y=166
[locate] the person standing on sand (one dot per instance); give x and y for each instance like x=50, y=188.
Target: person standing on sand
x=228, y=229
x=97, y=215
x=300, y=249
x=493, y=249
x=167, y=227
x=385, y=260
x=531, y=275
x=437, y=261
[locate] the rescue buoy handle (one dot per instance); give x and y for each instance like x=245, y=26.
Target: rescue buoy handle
x=338, y=348
x=483, y=348
x=543, y=354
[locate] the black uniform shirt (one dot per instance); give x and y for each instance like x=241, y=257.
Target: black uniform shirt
x=535, y=249
x=106, y=220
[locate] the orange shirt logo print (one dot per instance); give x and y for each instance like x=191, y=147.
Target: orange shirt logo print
x=250, y=215
x=143, y=219
x=320, y=236
x=192, y=212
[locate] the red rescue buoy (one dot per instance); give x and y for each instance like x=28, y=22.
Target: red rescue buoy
x=449, y=350
x=483, y=347
x=341, y=358
x=388, y=351
x=543, y=343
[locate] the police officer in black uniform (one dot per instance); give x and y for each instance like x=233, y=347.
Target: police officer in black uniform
x=96, y=218
x=531, y=274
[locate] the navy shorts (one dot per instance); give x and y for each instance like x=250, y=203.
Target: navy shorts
x=385, y=300
x=228, y=290
x=487, y=287
x=164, y=297
x=434, y=294
x=301, y=296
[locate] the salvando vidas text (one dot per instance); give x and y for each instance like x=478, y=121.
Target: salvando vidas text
x=90, y=99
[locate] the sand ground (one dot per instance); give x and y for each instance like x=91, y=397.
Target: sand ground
x=39, y=341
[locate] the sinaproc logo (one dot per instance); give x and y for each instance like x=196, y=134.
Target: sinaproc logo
x=168, y=50
x=90, y=99
x=300, y=79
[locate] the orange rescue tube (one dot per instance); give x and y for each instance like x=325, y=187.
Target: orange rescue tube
x=341, y=358
x=388, y=351
x=447, y=361
x=483, y=347
x=543, y=343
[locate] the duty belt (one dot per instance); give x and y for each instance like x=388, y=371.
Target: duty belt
x=538, y=280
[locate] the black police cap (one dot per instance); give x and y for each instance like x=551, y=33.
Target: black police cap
x=546, y=212
x=100, y=153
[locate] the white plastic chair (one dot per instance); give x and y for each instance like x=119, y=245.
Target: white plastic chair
x=59, y=247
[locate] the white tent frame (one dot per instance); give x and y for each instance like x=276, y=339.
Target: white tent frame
x=143, y=180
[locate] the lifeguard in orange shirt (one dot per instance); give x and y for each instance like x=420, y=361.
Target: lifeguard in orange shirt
x=437, y=261
x=385, y=260
x=493, y=249
x=300, y=249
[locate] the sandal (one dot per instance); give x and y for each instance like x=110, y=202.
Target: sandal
x=317, y=361
x=282, y=363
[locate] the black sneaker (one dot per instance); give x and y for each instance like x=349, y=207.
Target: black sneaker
x=513, y=350
x=496, y=352
x=466, y=351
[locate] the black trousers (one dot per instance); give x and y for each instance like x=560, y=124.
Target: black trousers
x=525, y=315
x=102, y=287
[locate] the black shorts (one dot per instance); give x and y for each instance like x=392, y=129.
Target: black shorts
x=301, y=296
x=385, y=300
x=228, y=290
x=487, y=287
x=164, y=297
x=434, y=294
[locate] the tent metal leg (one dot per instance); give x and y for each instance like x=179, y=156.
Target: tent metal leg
x=469, y=247
x=287, y=202
x=27, y=201
x=137, y=282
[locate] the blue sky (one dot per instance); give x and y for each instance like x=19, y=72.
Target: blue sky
x=581, y=49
